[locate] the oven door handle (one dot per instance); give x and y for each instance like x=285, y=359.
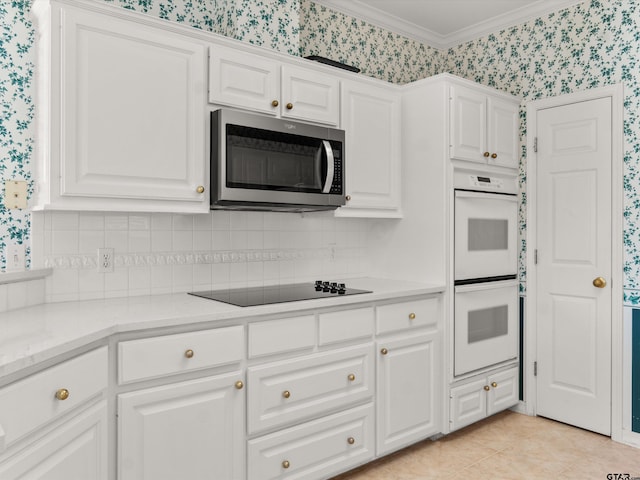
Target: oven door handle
x=328, y=181
x=477, y=287
x=507, y=197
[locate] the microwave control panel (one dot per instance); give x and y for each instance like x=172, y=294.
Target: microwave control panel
x=486, y=183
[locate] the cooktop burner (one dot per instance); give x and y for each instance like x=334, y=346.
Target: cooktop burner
x=252, y=296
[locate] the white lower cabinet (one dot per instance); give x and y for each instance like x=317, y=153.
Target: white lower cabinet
x=193, y=429
x=77, y=449
x=408, y=397
x=316, y=449
x=482, y=397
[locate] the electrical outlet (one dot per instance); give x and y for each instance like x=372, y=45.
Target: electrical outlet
x=14, y=256
x=105, y=260
x=15, y=194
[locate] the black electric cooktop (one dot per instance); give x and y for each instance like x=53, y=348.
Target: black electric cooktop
x=252, y=296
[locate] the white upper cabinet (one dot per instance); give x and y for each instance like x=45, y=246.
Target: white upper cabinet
x=254, y=82
x=371, y=120
x=126, y=116
x=484, y=128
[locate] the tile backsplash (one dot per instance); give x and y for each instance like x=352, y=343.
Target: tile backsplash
x=166, y=253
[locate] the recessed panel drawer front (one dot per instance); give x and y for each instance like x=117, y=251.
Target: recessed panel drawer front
x=158, y=356
x=34, y=401
x=407, y=315
x=345, y=325
x=314, y=450
x=284, y=392
x=280, y=336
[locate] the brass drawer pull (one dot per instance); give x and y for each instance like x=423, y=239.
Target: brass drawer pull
x=494, y=384
x=351, y=377
x=189, y=353
x=384, y=351
x=286, y=464
x=351, y=440
x=239, y=385
x=62, y=394
x=275, y=103
x=486, y=387
x=412, y=316
x=286, y=394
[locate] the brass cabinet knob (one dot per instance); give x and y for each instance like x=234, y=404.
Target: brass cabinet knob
x=348, y=198
x=486, y=387
x=599, y=282
x=494, y=155
x=275, y=103
x=189, y=353
x=351, y=440
x=62, y=394
x=412, y=316
x=289, y=106
x=494, y=384
x=384, y=351
x=286, y=394
x=239, y=385
x=351, y=377
x=486, y=154
x=286, y=464
x=200, y=189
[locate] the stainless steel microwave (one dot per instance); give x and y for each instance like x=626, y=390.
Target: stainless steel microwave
x=263, y=163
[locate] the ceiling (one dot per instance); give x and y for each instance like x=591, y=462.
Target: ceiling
x=446, y=23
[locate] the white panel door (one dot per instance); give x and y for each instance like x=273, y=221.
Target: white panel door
x=503, y=141
x=408, y=397
x=243, y=80
x=371, y=120
x=574, y=250
x=133, y=118
x=191, y=430
x=468, y=130
x=310, y=95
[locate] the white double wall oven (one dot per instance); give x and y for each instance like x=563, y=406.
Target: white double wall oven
x=486, y=322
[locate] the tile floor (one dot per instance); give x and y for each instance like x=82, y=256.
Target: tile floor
x=508, y=446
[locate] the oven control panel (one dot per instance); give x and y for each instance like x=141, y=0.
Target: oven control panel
x=488, y=183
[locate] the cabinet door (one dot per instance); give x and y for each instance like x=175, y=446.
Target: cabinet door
x=191, y=430
x=309, y=95
x=243, y=80
x=408, y=400
x=77, y=449
x=371, y=120
x=468, y=128
x=504, y=391
x=503, y=138
x=133, y=118
x=468, y=404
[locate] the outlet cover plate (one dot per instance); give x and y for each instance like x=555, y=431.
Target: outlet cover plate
x=15, y=194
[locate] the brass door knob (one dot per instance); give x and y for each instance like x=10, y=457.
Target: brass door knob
x=351, y=440
x=286, y=464
x=486, y=387
x=348, y=198
x=351, y=377
x=494, y=384
x=275, y=103
x=189, y=353
x=486, y=154
x=289, y=106
x=599, y=282
x=384, y=351
x=239, y=385
x=62, y=394
x=286, y=394
x=494, y=155
x=412, y=316
x=200, y=189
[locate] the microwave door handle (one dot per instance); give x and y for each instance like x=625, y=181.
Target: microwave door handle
x=330, y=166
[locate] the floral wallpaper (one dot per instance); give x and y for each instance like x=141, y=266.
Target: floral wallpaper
x=376, y=52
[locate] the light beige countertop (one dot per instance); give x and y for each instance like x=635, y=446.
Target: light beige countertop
x=36, y=334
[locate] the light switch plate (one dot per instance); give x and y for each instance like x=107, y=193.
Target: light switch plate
x=14, y=255
x=15, y=194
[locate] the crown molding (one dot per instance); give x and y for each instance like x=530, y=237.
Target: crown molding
x=375, y=16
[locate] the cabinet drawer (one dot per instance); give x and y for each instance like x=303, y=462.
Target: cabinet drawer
x=345, y=325
x=279, y=336
x=40, y=397
x=316, y=449
x=402, y=316
x=293, y=390
x=185, y=352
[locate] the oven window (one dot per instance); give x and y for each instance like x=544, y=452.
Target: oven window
x=266, y=160
x=488, y=323
x=488, y=234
